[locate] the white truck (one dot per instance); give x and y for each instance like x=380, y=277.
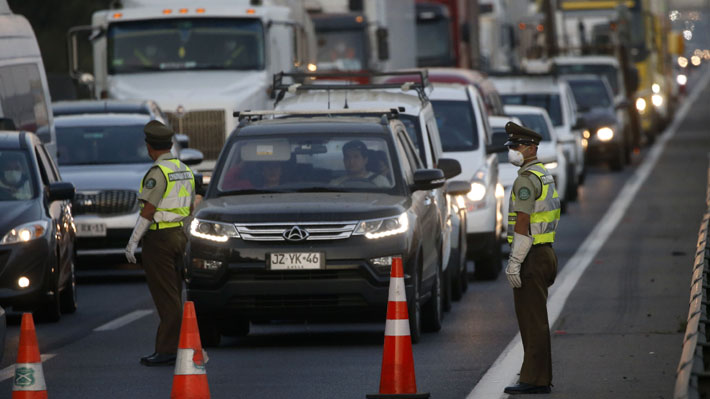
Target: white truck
x=374, y=35
x=200, y=60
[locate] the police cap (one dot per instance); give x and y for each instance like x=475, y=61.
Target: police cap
x=156, y=132
x=521, y=135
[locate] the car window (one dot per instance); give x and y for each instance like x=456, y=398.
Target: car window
x=535, y=122
x=408, y=162
x=590, y=94
x=608, y=71
x=98, y=145
x=411, y=154
x=16, y=182
x=499, y=139
x=414, y=131
x=50, y=163
x=457, y=125
x=431, y=136
x=327, y=162
x=551, y=102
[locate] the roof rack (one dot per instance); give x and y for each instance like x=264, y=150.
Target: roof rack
x=420, y=83
x=385, y=113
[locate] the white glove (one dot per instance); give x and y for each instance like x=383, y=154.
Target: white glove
x=141, y=227
x=518, y=252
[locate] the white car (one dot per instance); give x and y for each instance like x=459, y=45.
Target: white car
x=556, y=97
x=547, y=154
x=466, y=136
x=549, y=151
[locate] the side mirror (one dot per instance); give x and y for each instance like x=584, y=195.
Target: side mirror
x=622, y=104
x=458, y=187
x=191, y=156
x=450, y=167
x=428, y=179
x=383, y=49
x=61, y=191
x=183, y=140
x=494, y=149
x=200, y=187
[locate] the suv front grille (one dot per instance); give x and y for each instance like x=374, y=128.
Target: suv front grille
x=206, y=130
x=107, y=202
x=308, y=231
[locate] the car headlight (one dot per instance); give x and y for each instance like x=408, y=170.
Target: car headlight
x=478, y=191
x=605, y=133
x=640, y=104
x=681, y=79
x=213, y=231
x=656, y=88
x=657, y=100
x=26, y=232
x=551, y=165
x=385, y=227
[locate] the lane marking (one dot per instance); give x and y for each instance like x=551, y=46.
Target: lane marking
x=9, y=371
x=123, y=320
x=504, y=370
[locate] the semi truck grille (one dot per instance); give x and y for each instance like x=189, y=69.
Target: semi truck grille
x=107, y=202
x=295, y=231
x=206, y=130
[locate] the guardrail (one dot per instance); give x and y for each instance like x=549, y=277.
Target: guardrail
x=693, y=373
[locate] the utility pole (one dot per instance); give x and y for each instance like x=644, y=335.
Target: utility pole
x=549, y=8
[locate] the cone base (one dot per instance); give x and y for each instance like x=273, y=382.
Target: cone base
x=418, y=395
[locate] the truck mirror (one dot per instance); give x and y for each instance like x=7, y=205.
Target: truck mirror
x=383, y=50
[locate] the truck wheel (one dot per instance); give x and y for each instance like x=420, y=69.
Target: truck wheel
x=488, y=263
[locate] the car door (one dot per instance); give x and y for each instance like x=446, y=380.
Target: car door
x=423, y=205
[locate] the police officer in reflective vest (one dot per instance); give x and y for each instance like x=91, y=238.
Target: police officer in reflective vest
x=532, y=266
x=167, y=194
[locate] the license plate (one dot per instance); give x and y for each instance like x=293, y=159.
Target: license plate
x=296, y=261
x=91, y=230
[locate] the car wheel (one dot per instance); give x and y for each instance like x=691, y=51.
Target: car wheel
x=488, y=264
x=433, y=311
x=51, y=309
x=68, y=302
x=209, y=333
x=455, y=283
x=415, y=310
x=572, y=184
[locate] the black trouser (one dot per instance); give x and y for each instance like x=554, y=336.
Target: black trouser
x=537, y=273
x=162, y=259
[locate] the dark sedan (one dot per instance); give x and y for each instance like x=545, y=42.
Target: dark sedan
x=298, y=224
x=37, y=229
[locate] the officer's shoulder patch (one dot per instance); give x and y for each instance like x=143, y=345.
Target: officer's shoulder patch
x=150, y=183
x=524, y=193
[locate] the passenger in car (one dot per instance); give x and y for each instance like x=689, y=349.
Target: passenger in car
x=271, y=174
x=14, y=179
x=378, y=164
x=355, y=158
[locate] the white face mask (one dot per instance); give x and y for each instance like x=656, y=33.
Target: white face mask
x=515, y=157
x=13, y=176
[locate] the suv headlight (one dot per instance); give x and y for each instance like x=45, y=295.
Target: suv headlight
x=213, y=231
x=385, y=227
x=478, y=191
x=26, y=232
x=605, y=133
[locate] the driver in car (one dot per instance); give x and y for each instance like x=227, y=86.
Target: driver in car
x=14, y=180
x=355, y=157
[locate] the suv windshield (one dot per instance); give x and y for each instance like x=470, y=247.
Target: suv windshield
x=608, y=71
x=185, y=44
x=551, y=102
x=96, y=145
x=590, y=94
x=341, y=50
x=311, y=163
x=457, y=125
x=15, y=178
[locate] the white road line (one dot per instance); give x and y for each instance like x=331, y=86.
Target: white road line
x=9, y=371
x=123, y=320
x=504, y=370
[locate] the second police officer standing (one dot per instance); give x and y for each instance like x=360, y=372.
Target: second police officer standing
x=532, y=266
x=167, y=194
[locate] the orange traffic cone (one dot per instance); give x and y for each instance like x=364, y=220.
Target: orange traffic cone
x=190, y=379
x=29, y=377
x=397, y=377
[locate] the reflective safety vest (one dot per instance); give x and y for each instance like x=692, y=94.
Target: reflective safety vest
x=175, y=204
x=546, y=212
